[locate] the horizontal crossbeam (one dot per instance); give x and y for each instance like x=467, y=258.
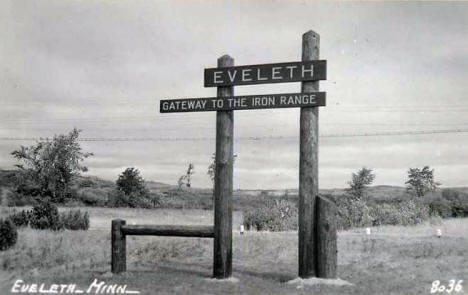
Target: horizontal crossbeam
x=197, y=231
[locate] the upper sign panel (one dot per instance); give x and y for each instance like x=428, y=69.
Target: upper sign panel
x=267, y=73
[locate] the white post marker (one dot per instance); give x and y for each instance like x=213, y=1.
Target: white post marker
x=368, y=231
x=241, y=229
x=439, y=232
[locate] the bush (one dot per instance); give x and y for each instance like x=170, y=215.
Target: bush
x=405, y=213
x=117, y=198
x=93, y=196
x=45, y=216
x=21, y=218
x=458, y=202
x=357, y=213
x=352, y=212
x=441, y=207
x=86, y=182
x=187, y=198
x=450, y=194
x=273, y=215
x=130, y=181
x=16, y=199
x=8, y=234
x=447, y=203
x=75, y=220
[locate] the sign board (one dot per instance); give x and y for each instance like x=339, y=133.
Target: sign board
x=267, y=73
x=317, y=226
x=248, y=102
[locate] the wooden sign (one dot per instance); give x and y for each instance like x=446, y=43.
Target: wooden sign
x=267, y=73
x=317, y=243
x=248, y=102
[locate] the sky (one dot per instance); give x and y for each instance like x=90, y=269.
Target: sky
x=103, y=66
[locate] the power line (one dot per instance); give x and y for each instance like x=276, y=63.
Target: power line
x=247, y=138
x=357, y=108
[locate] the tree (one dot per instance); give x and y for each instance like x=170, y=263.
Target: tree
x=212, y=167
x=189, y=173
x=181, y=181
x=130, y=181
x=51, y=165
x=359, y=181
x=186, y=178
x=131, y=191
x=421, y=181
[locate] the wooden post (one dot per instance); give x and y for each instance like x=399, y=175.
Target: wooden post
x=118, y=262
x=222, y=264
x=308, y=165
x=325, y=238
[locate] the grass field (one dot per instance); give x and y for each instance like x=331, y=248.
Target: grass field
x=392, y=260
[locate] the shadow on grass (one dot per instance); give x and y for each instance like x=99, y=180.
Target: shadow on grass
x=184, y=269
x=205, y=271
x=277, y=276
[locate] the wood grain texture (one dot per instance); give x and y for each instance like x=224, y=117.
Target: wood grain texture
x=199, y=231
x=118, y=242
x=326, y=238
x=308, y=165
x=223, y=203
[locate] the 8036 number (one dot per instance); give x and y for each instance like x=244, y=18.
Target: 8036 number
x=453, y=286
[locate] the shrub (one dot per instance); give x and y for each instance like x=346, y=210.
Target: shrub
x=70, y=195
x=45, y=216
x=447, y=203
x=404, y=213
x=441, y=207
x=16, y=199
x=75, y=220
x=86, y=182
x=352, y=212
x=458, y=202
x=93, y=196
x=118, y=198
x=130, y=181
x=8, y=234
x=357, y=213
x=450, y=194
x=131, y=192
x=21, y=218
x=273, y=215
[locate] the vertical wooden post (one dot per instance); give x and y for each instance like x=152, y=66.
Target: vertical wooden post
x=308, y=165
x=325, y=238
x=222, y=264
x=118, y=260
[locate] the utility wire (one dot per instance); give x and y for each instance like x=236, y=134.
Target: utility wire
x=355, y=108
x=248, y=138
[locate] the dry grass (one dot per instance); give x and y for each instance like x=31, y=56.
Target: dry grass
x=100, y=217
x=393, y=260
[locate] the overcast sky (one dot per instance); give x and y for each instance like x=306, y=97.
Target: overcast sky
x=103, y=66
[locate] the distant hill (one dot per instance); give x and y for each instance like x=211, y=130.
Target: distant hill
x=94, y=191
x=379, y=191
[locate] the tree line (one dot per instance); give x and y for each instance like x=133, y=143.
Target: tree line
x=420, y=181
x=47, y=169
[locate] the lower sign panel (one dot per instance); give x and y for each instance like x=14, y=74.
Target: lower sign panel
x=249, y=102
